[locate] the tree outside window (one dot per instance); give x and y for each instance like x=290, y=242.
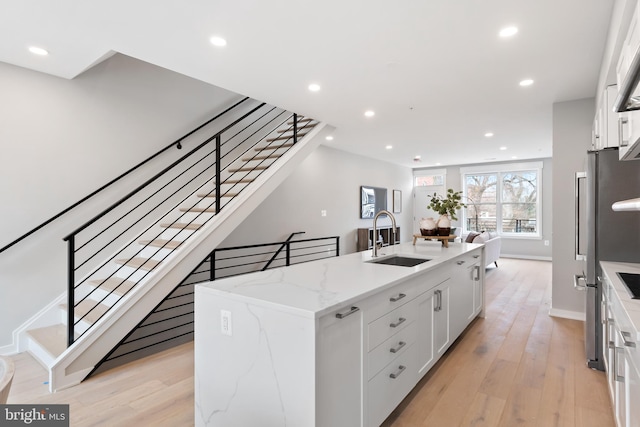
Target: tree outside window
x=506, y=202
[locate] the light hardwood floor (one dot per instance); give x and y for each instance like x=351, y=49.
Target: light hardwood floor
x=518, y=366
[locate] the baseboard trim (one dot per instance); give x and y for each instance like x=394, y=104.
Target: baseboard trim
x=8, y=350
x=532, y=257
x=566, y=314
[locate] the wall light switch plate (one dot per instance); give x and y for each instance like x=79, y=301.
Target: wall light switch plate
x=225, y=323
x=323, y=213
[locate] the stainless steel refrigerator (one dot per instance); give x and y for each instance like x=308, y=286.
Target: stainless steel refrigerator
x=603, y=234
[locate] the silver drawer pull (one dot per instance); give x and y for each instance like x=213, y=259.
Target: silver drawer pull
x=398, y=298
x=476, y=256
x=348, y=313
x=398, y=323
x=460, y=262
x=398, y=348
x=397, y=373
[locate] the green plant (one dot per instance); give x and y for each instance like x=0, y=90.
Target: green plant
x=448, y=204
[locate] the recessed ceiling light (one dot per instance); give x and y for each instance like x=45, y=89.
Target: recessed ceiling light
x=488, y=134
x=329, y=138
x=313, y=87
x=218, y=41
x=514, y=157
x=503, y=148
x=389, y=147
x=438, y=164
x=417, y=158
x=38, y=51
x=508, y=31
x=369, y=113
x=526, y=82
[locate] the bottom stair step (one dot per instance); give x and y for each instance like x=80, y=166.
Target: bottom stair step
x=52, y=340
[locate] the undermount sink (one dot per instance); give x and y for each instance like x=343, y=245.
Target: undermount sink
x=400, y=260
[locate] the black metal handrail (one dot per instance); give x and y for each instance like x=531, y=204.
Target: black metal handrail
x=206, y=167
x=245, y=257
x=177, y=143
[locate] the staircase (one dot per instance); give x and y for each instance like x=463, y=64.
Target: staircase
x=113, y=289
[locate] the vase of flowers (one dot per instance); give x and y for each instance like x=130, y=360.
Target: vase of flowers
x=446, y=206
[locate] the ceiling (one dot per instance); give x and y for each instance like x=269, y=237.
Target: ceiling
x=435, y=72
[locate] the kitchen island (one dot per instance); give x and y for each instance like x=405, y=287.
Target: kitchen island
x=336, y=342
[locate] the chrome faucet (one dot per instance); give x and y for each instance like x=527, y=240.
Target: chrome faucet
x=375, y=229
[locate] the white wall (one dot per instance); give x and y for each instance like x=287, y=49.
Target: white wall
x=571, y=139
x=330, y=180
x=62, y=139
x=513, y=246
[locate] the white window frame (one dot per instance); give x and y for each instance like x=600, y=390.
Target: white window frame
x=499, y=170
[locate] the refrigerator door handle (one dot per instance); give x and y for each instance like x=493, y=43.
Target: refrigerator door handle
x=578, y=255
x=576, y=282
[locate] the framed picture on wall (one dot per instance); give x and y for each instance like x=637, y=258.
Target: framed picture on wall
x=397, y=201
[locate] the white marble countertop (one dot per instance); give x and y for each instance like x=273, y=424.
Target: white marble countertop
x=630, y=306
x=315, y=288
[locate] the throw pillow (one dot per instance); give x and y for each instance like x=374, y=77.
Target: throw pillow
x=472, y=235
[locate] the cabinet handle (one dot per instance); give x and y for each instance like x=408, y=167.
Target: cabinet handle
x=621, y=122
x=476, y=270
x=624, y=336
x=398, y=323
x=398, y=348
x=438, y=305
x=348, y=313
x=476, y=256
x=397, y=373
x=460, y=262
x=619, y=378
x=398, y=298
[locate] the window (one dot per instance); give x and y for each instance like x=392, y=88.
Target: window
x=506, y=200
x=429, y=180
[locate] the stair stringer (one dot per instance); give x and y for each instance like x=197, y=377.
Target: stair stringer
x=77, y=361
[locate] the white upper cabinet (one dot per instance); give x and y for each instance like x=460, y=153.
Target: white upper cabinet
x=628, y=123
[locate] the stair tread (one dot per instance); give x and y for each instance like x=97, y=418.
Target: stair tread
x=267, y=157
x=238, y=181
x=249, y=169
x=213, y=194
x=274, y=147
x=142, y=263
x=299, y=128
x=197, y=209
x=285, y=137
x=52, y=339
x=114, y=285
x=89, y=310
x=161, y=243
x=182, y=226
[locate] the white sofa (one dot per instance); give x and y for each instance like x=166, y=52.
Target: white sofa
x=492, y=243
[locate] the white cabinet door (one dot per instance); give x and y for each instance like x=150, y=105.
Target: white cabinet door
x=633, y=393
x=339, y=370
x=425, y=347
x=441, y=325
x=619, y=386
x=478, y=289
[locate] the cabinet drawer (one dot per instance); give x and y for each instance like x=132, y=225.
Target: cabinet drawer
x=391, y=349
x=386, y=392
x=390, y=299
x=393, y=322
